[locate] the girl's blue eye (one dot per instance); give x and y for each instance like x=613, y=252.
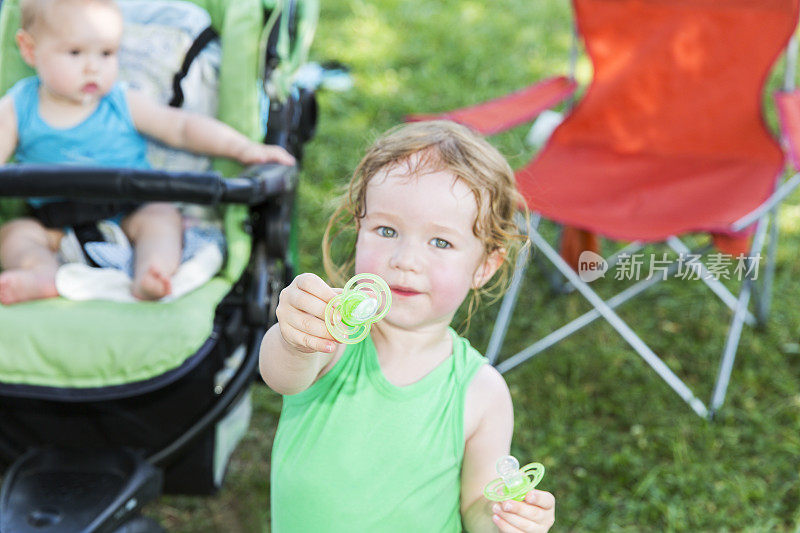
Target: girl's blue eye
x=108, y=53
x=74, y=52
x=440, y=243
x=385, y=231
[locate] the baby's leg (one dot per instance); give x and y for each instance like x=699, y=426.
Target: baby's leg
x=156, y=233
x=28, y=259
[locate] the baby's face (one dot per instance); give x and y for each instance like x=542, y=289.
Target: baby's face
x=75, y=51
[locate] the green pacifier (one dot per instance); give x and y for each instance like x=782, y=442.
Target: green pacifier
x=365, y=299
x=514, y=482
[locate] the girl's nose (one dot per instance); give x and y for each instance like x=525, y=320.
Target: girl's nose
x=405, y=257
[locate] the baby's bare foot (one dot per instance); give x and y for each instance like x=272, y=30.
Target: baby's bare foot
x=24, y=285
x=152, y=285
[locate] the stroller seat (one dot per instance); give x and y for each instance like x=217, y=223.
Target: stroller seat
x=62, y=343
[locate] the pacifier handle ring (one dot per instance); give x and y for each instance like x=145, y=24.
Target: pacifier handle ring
x=335, y=323
x=535, y=471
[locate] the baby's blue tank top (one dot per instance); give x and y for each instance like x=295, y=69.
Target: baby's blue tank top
x=354, y=452
x=107, y=138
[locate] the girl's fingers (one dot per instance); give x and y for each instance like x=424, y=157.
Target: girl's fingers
x=525, y=516
x=310, y=335
x=301, y=314
x=313, y=284
x=308, y=343
x=306, y=303
x=306, y=324
x=514, y=514
x=541, y=498
x=504, y=526
x=307, y=293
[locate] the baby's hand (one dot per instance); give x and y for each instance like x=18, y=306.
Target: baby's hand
x=254, y=153
x=535, y=514
x=301, y=314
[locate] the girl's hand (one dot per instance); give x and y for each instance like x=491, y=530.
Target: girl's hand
x=253, y=153
x=301, y=314
x=536, y=513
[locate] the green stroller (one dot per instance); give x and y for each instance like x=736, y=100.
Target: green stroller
x=104, y=404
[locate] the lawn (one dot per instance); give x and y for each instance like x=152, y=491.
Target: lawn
x=622, y=451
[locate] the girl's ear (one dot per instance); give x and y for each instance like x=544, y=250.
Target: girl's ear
x=26, y=47
x=488, y=267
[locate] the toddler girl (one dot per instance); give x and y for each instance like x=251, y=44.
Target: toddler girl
x=401, y=432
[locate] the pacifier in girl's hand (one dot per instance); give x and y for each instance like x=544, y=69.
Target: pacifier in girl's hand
x=514, y=482
x=365, y=299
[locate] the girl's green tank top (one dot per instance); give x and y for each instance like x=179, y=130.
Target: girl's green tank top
x=356, y=453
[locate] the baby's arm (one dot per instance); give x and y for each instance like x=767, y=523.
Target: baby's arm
x=198, y=133
x=8, y=128
x=489, y=402
x=298, y=347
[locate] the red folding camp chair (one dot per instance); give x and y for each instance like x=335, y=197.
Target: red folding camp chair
x=669, y=139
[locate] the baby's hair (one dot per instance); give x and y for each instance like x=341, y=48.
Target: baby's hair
x=33, y=11
x=442, y=145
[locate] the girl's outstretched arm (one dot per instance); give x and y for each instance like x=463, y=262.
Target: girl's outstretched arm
x=298, y=347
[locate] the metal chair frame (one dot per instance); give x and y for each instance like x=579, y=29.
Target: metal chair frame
x=739, y=304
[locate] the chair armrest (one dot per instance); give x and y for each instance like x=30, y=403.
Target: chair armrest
x=511, y=110
x=788, y=104
x=255, y=185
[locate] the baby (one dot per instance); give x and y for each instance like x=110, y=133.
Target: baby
x=73, y=111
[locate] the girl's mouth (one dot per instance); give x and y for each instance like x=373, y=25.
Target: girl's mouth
x=90, y=88
x=403, y=291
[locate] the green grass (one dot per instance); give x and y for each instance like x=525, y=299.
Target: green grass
x=622, y=451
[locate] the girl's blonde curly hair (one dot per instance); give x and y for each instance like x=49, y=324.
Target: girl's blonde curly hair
x=442, y=146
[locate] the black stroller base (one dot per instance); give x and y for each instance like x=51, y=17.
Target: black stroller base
x=145, y=423
x=60, y=490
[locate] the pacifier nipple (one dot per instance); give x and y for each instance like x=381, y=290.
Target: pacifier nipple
x=508, y=468
x=365, y=309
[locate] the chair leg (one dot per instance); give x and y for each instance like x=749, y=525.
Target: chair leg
x=622, y=328
x=729, y=353
x=605, y=309
x=507, y=308
x=735, y=330
x=510, y=297
x=582, y=321
x=715, y=285
x=763, y=291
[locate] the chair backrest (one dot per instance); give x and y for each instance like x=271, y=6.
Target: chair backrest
x=679, y=77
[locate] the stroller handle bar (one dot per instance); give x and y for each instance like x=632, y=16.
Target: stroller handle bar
x=254, y=185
